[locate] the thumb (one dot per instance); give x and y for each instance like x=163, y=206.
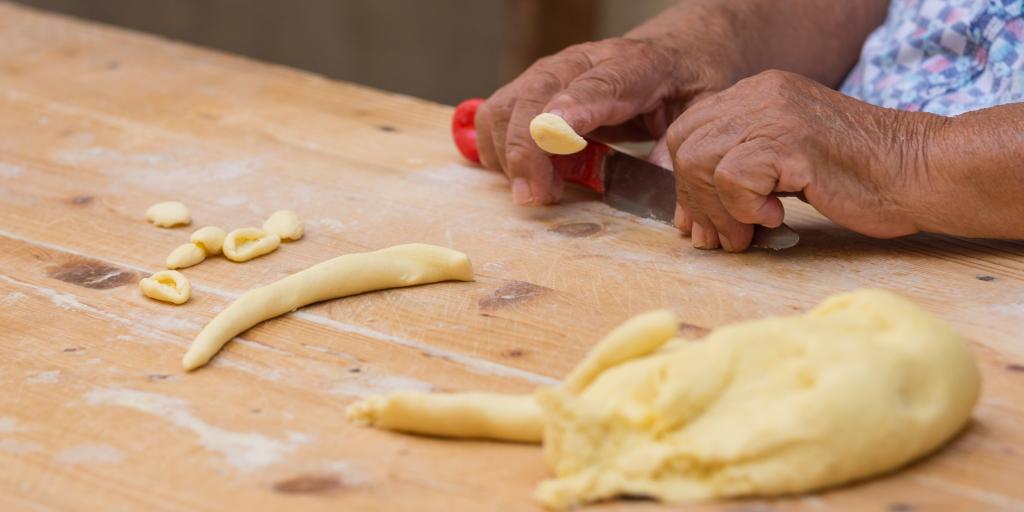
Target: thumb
x=605, y=95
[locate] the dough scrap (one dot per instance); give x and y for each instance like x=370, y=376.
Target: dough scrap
x=863, y=384
x=168, y=214
x=244, y=244
x=554, y=135
x=210, y=238
x=394, y=267
x=185, y=255
x=285, y=224
x=479, y=415
x=167, y=286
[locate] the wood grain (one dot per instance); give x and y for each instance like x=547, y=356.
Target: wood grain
x=100, y=123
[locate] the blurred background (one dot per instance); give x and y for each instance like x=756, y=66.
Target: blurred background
x=442, y=50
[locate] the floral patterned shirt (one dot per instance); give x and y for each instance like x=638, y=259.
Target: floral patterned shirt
x=943, y=56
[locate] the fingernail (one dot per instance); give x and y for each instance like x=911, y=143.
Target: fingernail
x=726, y=244
x=697, y=236
x=678, y=218
x=521, y=192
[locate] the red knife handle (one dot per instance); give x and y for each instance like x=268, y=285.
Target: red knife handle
x=583, y=168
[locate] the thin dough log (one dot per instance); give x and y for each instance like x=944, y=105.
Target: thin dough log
x=461, y=415
x=394, y=267
x=637, y=337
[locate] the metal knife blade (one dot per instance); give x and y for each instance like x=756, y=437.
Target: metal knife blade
x=648, y=190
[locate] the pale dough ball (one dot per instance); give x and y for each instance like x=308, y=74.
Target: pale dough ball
x=284, y=223
x=244, y=244
x=167, y=286
x=168, y=214
x=185, y=255
x=210, y=238
x=554, y=135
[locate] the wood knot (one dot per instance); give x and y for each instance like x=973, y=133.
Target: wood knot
x=308, y=484
x=81, y=200
x=900, y=507
x=513, y=352
x=577, y=229
x=514, y=292
x=92, y=274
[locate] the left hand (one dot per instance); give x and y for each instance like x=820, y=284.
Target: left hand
x=860, y=165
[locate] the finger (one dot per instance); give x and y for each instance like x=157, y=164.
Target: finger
x=501, y=113
x=484, y=141
x=702, y=231
x=745, y=179
x=695, y=163
x=707, y=111
x=609, y=94
x=648, y=126
x=659, y=154
x=528, y=166
x=682, y=220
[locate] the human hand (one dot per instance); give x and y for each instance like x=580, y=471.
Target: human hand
x=616, y=89
x=862, y=166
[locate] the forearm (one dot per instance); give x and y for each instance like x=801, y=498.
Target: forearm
x=820, y=39
x=975, y=173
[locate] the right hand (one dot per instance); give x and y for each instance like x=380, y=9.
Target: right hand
x=617, y=89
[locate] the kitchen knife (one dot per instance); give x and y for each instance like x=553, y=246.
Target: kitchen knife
x=625, y=182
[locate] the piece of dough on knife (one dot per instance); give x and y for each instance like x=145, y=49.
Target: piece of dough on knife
x=554, y=135
x=394, y=267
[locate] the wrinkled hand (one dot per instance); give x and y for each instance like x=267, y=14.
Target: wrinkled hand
x=629, y=88
x=859, y=165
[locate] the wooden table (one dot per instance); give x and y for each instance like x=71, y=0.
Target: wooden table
x=96, y=124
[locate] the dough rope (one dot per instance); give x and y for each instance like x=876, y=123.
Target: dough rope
x=637, y=337
x=394, y=267
x=863, y=384
x=460, y=415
